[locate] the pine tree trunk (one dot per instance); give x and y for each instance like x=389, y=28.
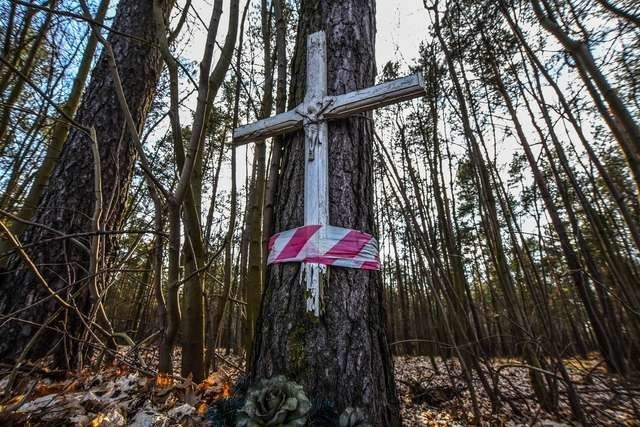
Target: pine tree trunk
x=341, y=357
x=68, y=201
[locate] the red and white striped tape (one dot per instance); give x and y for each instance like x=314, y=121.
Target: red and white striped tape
x=329, y=245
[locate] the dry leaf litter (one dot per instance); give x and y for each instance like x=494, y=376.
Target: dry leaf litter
x=123, y=396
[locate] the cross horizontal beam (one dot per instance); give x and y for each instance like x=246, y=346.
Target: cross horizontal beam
x=373, y=97
x=266, y=128
x=337, y=107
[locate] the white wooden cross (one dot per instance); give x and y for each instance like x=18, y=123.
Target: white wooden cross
x=313, y=114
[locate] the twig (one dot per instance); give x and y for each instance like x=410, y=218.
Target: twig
x=206, y=266
x=60, y=110
x=46, y=227
x=230, y=363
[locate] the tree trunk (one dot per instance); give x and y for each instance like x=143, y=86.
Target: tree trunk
x=228, y=250
x=341, y=357
x=67, y=203
x=254, y=282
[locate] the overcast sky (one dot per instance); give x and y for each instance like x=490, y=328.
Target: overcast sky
x=401, y=27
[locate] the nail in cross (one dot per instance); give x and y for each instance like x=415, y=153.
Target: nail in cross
x=312, y=114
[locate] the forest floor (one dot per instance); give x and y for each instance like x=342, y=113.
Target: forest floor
x=127, y=395
x=442, y=398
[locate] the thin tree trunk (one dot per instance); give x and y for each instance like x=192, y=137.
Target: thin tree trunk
x=26, y=69
x=614, y=360
x=623, y=125
x=256, y=260
x=228, y=251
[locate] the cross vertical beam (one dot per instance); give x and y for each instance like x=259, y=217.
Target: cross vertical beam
x=316, y=148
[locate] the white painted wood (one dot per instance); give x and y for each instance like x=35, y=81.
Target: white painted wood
x=336, y=107
x=313, y=114
x=376, y=96
x=265, y=128
x=316, y=148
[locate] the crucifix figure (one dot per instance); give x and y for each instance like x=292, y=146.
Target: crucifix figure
x=317, y=244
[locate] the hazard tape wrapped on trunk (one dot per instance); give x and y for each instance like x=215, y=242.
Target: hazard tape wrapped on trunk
x=325, y=244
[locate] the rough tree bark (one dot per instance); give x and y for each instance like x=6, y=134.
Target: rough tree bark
x=342, y=356
x=67, y=203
